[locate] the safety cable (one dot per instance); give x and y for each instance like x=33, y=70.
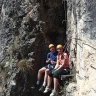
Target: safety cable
x=66, y=44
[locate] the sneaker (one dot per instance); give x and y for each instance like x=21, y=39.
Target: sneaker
x=54, y=93
x=47, y=90
x=42, y=89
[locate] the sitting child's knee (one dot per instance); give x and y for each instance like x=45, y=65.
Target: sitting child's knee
x=56, y=76
x=40, y=71
x=47, y=70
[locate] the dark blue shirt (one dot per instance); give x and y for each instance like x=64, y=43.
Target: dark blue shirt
x=52, y=56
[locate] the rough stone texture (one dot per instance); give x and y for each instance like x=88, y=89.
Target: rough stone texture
x=82, y=30
x=26, y=29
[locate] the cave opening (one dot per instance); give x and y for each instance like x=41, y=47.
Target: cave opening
x=55, y=18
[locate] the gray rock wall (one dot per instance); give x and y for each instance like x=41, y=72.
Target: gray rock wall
x=82, y=31
x=19, y=30
x=27, y=27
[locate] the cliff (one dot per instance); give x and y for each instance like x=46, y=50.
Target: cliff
x=27, y=27
x=82, y=31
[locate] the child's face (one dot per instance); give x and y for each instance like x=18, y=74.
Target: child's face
x=52, y=49
x=60, y=50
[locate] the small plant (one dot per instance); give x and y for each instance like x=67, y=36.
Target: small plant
x=25, y=68
x=24, y=65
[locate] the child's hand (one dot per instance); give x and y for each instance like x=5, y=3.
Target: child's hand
x=48, y=60
x=52, y=62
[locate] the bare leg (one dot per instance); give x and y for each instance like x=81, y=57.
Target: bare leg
x=42, y=70
x=49, y=81
x=56, y=83
x=46, y=75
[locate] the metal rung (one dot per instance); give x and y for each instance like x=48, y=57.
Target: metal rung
x=63, y=76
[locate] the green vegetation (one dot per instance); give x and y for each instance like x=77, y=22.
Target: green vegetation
x=24, y=65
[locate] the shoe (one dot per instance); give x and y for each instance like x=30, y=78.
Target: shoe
x=42, y=89
x=54, y=93
x=47, y=90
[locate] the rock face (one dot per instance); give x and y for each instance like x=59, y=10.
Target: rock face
x=26, y=29
x=82, y=31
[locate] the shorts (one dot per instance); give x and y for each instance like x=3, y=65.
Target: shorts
x=49, y=66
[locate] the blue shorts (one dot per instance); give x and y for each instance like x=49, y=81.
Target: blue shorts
x=50, y=66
